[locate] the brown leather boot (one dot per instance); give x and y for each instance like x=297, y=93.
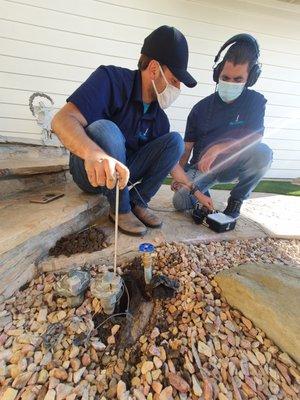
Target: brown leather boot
x=129, y=224
x=147, y=217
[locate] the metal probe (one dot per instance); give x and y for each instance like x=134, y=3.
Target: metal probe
x=116, y=225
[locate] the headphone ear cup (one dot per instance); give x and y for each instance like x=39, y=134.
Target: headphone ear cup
x=217, y=71
x=253, y=75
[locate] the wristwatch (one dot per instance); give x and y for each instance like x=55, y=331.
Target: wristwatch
x=193, y=189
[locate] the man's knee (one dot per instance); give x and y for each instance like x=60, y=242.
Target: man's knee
x=181, y=200
x=107, y=135
x=262, y=157
x=175, y=143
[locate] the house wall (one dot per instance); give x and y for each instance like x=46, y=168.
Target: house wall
x=53, y=46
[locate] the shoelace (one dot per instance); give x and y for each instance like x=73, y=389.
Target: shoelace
x=234, y=205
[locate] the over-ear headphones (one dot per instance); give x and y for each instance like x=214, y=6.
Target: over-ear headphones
x=255, y=70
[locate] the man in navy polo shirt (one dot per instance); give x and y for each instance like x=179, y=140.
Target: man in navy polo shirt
x=114, y=123
x=224, y=132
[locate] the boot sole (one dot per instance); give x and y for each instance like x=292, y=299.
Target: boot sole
x=149, y=225
x=127, y=232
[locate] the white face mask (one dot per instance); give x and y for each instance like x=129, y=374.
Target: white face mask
x=168, y=95
x=229, y=91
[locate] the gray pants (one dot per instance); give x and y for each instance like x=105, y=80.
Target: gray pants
x=248, y=169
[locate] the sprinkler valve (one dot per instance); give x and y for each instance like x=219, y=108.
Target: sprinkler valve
x=147, y=250
x=107, y=288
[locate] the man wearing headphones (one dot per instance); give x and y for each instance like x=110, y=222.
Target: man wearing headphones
x=224, y=132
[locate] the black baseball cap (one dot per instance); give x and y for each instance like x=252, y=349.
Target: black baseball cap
x=169, y=47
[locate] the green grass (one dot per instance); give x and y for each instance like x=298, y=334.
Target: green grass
x=268, y=186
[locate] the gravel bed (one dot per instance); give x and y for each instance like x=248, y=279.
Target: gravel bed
x=195, y=347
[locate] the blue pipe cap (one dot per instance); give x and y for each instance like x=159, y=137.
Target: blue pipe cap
x=146, y=248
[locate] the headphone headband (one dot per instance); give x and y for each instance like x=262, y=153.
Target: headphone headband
x=242, y=37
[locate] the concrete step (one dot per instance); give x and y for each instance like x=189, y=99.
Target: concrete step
x=28, y=230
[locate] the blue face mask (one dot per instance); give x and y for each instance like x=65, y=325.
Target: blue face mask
x=229, y=91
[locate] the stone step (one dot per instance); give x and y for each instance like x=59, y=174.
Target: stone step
x=18, y=167
x=28, y=230
x=24, y=167
x=9, y=187
x=23, y=160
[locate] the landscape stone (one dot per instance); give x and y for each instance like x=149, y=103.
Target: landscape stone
x=269, y=295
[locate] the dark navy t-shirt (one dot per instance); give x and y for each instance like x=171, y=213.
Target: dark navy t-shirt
x=115, y=93
x=213, y=121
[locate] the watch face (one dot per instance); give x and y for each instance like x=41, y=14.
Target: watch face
x=193, y=189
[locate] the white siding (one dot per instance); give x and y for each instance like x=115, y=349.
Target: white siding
x=53, y=46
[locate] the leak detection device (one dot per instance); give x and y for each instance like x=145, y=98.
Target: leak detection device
x=215, y=220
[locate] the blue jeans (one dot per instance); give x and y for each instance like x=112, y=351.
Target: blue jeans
x=248, y=169
x=150, y=164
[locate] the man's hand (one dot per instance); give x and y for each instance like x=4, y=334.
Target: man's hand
x=175, y=186
x=102, y=170
x=204, y=200
x=204, y=165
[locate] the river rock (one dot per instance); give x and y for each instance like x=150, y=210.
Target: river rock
x=121, y=391
x=166, y=393
x=5, y=320
x=50, y=395
x=86, y=359
x=178, y=382
x=98, y=346
x=146, y=366
x=3, y=368
x=74, y=352
x=43, y=376
x=157, y=387
x=78, y=374
x=21, y=380
x=138, y=395
x=204, y=349
x=9, y=394
x=42, y=315
x=62, y=391
x=59, y=373
x=196, y=386
x=53, y=382
x=269, y=295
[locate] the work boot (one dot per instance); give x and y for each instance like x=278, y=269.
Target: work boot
x=233, y=208
x=129, y=224
x=147, y=217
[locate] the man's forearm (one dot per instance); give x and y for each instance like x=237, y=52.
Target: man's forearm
x=184, y=159
x=73, y=136
x=239, y=144
x=180, y=176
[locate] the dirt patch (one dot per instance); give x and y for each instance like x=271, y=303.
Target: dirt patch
x=136, y=302
x=137, y=306
x=87, y=241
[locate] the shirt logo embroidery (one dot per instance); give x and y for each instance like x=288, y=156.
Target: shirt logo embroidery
x=143, y=136
x=237, y=122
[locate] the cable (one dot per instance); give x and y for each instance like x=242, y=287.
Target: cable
x=143, y=201
x=112, y=316
x=128, y=297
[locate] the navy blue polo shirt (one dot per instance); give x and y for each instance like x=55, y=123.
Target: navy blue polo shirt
x=213, y=121
x=115, y=94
